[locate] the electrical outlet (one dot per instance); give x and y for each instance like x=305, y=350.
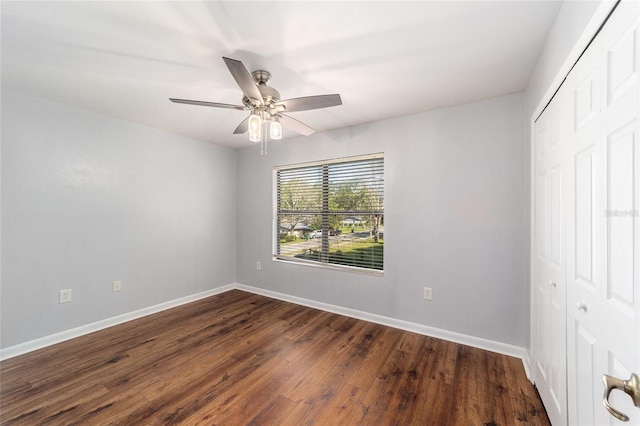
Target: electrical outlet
x=65, y=296
x=117, y=285
x=259, y=265
x=427, y=293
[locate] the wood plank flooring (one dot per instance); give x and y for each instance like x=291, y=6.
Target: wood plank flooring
x=239, y=358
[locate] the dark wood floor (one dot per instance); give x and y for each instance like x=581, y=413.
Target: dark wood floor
x=238, y=358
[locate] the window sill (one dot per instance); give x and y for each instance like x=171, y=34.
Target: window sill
x=330, y=266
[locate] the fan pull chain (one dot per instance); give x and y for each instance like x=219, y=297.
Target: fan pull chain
x=263, y=139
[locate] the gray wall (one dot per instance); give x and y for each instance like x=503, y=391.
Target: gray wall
x=89, y=199
x=454, y=197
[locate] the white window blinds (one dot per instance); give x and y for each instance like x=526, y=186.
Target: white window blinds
x=331, y=213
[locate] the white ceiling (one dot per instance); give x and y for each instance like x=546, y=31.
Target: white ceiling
x=125, y=59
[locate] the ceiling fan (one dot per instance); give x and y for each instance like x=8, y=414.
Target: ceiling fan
x=263, y=101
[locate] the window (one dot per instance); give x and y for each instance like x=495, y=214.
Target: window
x=331, y=213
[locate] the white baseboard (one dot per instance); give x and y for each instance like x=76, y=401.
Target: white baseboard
x=52, y=339
x=464, y=339
x=477, y=342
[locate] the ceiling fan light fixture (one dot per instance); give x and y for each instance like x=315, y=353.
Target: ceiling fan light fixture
x=255, y=128
x=275, y=129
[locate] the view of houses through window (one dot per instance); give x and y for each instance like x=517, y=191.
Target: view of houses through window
x=331, y=212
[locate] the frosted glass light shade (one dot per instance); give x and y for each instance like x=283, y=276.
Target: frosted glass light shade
x=275, y=130
x=255, y=128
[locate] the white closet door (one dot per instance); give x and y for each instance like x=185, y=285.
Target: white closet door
x=620, y=153
x=549, y=267
x=585, y=250
x=603, y=300
x=586, y=232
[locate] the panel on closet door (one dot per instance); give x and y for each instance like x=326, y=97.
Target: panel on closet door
x=620, y=214
x=542, y=326
x=540, y=219
x=542, y=135
x=557, y=133
x=584, y=230
x=586, y=100
x=556, y=216
x=586, y=378
x=622, y=63
x=557, y=381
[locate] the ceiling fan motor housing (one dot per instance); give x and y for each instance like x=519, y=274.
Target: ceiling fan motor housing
x=269, y=94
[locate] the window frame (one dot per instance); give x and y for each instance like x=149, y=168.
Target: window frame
x=325, y=212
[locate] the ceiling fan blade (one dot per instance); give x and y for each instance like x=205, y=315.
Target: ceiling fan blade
x=243, y=127
x=207, y=104
x=244, y=79
x=295, y=125
x=310, y=102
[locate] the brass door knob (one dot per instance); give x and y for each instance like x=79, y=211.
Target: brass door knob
x=631, y=387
